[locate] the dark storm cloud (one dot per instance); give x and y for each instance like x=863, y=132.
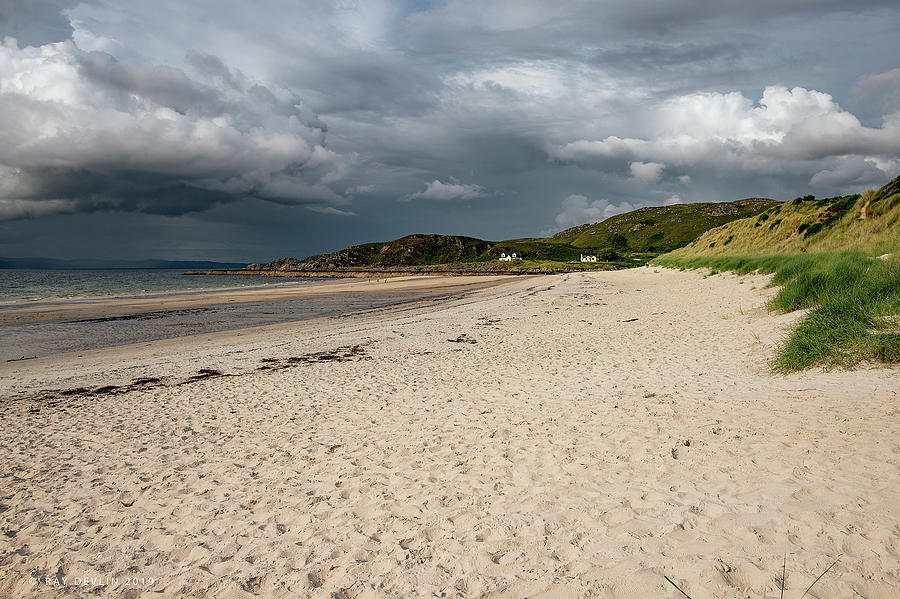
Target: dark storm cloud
x=664, y=18
x=660, y=56
x=83, y=131
x=579, y=24
x=93, y=191
x=362, y=82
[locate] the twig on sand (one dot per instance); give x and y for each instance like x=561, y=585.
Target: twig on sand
x=820, y=576
x=783, y=575
x=677, y=587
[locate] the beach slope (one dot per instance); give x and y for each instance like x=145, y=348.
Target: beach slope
x=579, y=435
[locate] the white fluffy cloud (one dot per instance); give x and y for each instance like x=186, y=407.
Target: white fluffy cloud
x=436, y=190
x=648, y=172
x=83, y=127
x=578, y=210
x=731, y=131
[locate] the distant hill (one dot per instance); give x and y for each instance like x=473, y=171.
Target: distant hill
x=411, y=250
x=55, y=264
x=647, y=231
x=868, y=221
x=658, y=229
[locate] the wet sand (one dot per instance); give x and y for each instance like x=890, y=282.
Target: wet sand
x=48, y=328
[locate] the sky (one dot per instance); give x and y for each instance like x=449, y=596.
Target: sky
x=237, y=131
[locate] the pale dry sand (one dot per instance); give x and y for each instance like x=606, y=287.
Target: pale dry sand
x=569, y=451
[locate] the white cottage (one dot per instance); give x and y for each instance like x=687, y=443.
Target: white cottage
x=588, y=258
x=509, y=256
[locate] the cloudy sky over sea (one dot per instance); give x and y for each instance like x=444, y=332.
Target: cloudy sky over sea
x=227, y=130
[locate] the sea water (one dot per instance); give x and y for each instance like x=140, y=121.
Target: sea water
x=27, y=286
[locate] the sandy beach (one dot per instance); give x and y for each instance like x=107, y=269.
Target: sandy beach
x=579, y=435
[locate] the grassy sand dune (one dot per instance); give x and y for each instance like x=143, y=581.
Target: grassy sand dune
x=868, y=222
x=853, y=301
x=837, y=258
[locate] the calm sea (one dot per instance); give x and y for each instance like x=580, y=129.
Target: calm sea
x=24, y=286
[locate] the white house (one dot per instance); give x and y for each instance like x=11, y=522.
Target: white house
x=588, y=258
x=509, y=256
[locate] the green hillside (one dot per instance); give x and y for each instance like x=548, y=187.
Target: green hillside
x=410, y=250
x=658, y=229
x=424, y=250
x=868, y=222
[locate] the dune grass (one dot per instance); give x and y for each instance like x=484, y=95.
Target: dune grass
x=853, y=298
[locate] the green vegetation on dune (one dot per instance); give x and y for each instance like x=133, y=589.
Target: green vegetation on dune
x=825, y=255
x=853, y=298
x=868, y=222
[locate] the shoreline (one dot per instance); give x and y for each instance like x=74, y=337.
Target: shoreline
x=234, y=351
x=33, y=331
x=118, y=306
x=576, y=435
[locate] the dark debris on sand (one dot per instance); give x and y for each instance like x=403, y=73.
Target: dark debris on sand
x=53, y=397
x=345, y=353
